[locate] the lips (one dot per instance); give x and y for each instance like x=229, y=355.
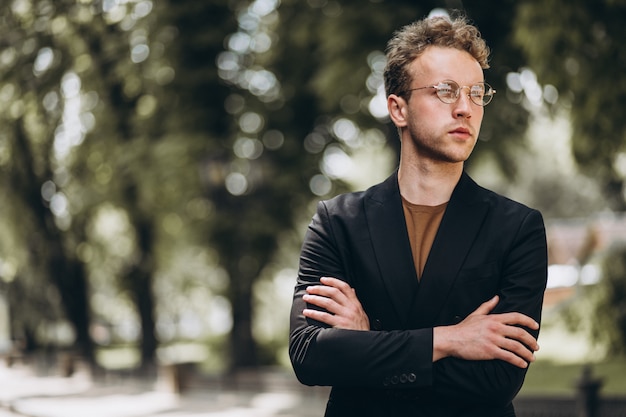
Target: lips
x=461, y=133
x=461, y=130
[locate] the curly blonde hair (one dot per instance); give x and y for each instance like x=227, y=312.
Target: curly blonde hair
x=412, y=40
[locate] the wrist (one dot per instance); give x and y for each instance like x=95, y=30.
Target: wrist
x=442, y=348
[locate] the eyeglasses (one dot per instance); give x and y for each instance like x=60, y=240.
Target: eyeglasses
x=449, y=92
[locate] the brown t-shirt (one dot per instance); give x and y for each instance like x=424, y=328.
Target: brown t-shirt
x=422, y=222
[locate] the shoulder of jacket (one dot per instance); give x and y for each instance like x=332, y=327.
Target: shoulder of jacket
x=507, y=205
x=342, y=202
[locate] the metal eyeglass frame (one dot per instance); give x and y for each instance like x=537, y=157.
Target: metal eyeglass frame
x=455, y=90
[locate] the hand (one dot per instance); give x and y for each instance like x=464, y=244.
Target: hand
x=484, y=336
x=343, y=308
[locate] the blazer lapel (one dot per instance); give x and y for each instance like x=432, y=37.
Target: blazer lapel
x=457, y=233
x=385, y=219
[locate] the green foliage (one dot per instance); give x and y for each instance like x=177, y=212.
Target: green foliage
x=610, y=301
x=45, y=267
x=99, y=181
x=599, y=310
x=578, y=47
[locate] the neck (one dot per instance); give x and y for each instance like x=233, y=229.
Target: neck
x=428, y=184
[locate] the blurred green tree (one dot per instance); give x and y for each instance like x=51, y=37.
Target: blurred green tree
x=41, y=253
x=609, y=304
x=599, y=311
x=98, y=178
x=578, y=47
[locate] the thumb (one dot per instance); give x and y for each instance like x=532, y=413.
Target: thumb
x=486, y=307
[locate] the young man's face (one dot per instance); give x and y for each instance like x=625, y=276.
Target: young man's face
x=442, y=132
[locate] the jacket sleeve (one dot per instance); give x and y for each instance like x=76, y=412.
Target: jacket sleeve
x=325, y=356
x=523, y=282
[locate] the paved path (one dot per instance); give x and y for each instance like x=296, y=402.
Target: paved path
x=23, y=393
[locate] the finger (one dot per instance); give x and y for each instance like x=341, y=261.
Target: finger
x=512, y=358
x=517, y=319
x=329, y=292
x=342, y=286
x=518, y=349
x=522, y=336
x=320, y=316
x=324, y=302
x=339, y=290
x=486, y=307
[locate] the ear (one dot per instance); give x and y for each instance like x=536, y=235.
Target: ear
x=397, y=108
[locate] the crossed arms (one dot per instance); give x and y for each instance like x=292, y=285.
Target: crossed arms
x=481, y=336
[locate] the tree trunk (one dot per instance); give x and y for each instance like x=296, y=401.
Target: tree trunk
x=243, y=346
x=70, y=279
x=139, y=282
x=141, y=288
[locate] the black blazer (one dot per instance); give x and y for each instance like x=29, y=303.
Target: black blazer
x=486, y=245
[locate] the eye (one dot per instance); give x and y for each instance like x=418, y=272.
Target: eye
x=447, y=90
x=477, y=91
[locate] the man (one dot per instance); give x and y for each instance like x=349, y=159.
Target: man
x=422, y=295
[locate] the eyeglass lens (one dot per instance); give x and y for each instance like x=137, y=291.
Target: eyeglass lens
x=448, y=92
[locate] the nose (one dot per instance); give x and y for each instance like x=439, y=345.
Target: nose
x=463, y=105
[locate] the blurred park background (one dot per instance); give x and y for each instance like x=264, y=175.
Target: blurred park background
x=160, y=160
